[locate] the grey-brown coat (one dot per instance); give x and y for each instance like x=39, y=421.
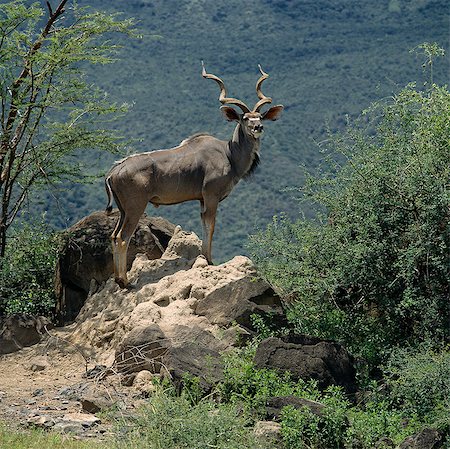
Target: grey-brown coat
x=201, y=168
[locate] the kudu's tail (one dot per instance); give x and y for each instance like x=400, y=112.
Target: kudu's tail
x=109, y=207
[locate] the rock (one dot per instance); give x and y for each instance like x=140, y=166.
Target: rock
x=198, y=361
x=94, y=399
x=74, y=423
x=21, y=330
x=185, y=245
x=98, y=372
x=180, y=350
x=68, y=427
x=268, y=432
x=425, y=439
x=236, y=301
x=200, y=262
x=84, y=419
x=85, y=259
x=308, y=358
x=75, y=392
x=38, y=364
x=143, y=382
x=275, y=405
x=37, y=392
x=141, y=349
x=384, y=443
x=177, y=317
x=168, y=298
x=42, y=421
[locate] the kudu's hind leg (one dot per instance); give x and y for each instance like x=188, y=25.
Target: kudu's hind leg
x=122, y=241
x=114, y=242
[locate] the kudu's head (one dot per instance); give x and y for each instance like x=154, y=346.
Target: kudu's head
x=250, y=120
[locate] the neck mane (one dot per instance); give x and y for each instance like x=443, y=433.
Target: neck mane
x=244, y=152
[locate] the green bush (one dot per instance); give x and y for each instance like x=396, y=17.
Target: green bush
x=302, y=429
x=375, y=420
x=418, y=383
x=27, y=271
x=249, y=387
x=173, y=422
x=373, y=270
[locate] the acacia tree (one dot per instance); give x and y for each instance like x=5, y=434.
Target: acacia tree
x=49, y=111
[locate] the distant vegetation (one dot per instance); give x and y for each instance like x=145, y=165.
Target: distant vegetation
x=327, y=61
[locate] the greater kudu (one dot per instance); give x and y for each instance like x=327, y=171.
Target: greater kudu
x=201, y=168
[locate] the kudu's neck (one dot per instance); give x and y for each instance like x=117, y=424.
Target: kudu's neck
x=244, y=151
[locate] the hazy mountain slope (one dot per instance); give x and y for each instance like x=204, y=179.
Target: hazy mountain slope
x=326, y=59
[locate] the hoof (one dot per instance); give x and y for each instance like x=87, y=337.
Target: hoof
x=121, y=283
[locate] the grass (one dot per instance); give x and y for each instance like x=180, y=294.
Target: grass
x=39, y=439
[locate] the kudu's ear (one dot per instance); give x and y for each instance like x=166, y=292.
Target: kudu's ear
x=273, y=113
x=230, y=113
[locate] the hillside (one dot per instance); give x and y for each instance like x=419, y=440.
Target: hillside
x=327, y=60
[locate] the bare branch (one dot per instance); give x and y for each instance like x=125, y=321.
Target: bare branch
x=50, y=8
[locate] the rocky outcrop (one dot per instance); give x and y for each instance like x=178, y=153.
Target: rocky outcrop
x=21, y=330
x=178, y=315
x=309, y=358
x=175, y=321
x=85, y=258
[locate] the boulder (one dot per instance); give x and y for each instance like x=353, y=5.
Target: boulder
x=268, y=432
x=94, y=401
x=243, y=299
x=38, y=363
x=141, y=349
x=185, y=349
x=20, y=330
x=177, y=317
x=275, y=405
x=308, y=358
x=425, y=439
x=201, y=362
x=85, y=257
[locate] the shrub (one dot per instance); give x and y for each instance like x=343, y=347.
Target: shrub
x=250, y=387
x=27, y=271
x=373, y=270
x=376, y=420
x=418, y=383
x=173, y=422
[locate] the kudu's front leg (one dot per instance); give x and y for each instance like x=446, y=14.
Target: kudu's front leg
x=208, y=214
